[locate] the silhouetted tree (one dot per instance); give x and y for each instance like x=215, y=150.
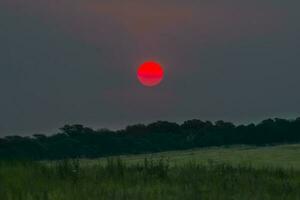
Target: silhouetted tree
x=75, y=141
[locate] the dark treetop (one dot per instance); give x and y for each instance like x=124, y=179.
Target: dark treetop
x=74, y=141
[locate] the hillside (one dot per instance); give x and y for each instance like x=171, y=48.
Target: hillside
x=280, y=156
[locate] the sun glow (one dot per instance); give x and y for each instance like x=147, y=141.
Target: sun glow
x=150, y=73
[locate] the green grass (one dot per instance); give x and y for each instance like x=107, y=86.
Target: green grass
x=281, y=156
x=216, y=173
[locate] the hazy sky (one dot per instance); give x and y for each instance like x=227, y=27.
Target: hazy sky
x=75, y=61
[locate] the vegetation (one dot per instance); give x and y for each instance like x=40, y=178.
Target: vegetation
x=68, y=179
x=76, y=141
x=278, y=156
x=235, y=173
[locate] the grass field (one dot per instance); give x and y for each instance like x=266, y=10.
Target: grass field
x=214, y=173
x=281, y=156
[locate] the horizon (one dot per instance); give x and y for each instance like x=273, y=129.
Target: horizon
x=95, y=128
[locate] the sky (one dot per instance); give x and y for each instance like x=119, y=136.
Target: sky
x=75, y=61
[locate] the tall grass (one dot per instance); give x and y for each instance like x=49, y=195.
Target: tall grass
x=152, y=179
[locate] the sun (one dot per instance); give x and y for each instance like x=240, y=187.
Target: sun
x=150, y=73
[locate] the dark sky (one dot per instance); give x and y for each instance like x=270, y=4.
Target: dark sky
x=75, y=61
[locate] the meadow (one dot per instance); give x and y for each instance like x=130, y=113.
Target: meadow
x=240, y=172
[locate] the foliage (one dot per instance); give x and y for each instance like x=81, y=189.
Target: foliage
x=76, y=141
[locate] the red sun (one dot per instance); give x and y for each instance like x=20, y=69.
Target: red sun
x=150, y=73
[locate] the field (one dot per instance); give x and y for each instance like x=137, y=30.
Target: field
x=214, y=173
x=281, y=156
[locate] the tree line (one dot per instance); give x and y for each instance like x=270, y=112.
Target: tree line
x=76, y=141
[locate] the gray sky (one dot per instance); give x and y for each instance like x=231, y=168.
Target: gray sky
x=75, y=61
